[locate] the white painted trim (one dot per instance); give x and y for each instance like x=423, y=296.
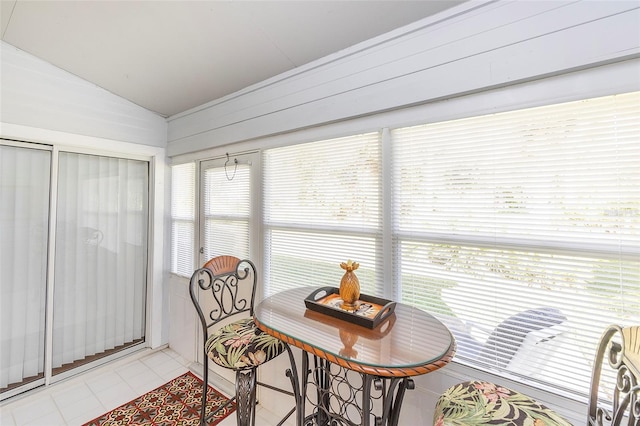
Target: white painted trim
x=51, y=272
x=387, y=217
x=88, y=144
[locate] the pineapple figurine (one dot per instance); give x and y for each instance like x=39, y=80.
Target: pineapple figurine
x=349, y=286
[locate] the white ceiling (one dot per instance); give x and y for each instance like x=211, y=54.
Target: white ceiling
x=170, y=56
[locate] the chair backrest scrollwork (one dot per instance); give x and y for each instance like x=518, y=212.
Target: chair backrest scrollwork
x=225, y=286
x=620, y=348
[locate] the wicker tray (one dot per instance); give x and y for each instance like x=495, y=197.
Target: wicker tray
x=373, y=310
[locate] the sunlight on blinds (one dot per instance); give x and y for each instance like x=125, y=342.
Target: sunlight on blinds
x=182, y=218
x=227, y=210
x=322, y=206
x=521, y=231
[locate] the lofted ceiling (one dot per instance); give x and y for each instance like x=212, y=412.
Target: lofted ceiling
x=171, y=56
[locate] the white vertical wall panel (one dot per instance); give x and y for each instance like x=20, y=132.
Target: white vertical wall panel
x=39, y=95
x=476, y=46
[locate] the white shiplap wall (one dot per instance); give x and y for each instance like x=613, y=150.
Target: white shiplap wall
x=477, y=46
x=37, y=94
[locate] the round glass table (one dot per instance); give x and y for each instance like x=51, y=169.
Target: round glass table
x=359, y=374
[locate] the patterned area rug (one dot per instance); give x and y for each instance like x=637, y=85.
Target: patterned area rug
x=174, y=403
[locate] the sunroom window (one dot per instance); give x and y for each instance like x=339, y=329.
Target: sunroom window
x=521, y=231
x=322, y=206
x=183, y=218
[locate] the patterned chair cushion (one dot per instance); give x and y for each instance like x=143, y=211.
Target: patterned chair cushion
x=484, y=403
x=241, y=346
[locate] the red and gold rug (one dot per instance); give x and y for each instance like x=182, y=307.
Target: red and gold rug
x=174, y=403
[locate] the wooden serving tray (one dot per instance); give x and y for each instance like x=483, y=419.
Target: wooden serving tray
x=372, y=311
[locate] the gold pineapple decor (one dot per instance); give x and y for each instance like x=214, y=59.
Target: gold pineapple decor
x=349, y=286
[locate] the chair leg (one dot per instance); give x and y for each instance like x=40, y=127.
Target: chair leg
x=203, y=403
x=205, y=387
x=246, y=397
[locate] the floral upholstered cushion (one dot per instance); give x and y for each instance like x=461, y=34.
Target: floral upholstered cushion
x=484, y=403
x=241, y=345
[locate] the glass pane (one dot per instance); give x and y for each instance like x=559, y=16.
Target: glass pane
x=553, y=297
x=333, y=183
x=101, y=256
x=24, y=216
x=182, y=218
x=520, y=230
x=298, y=259
x=322, y=207
x=227, y=208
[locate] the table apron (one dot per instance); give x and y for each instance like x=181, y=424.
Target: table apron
x=358, y=367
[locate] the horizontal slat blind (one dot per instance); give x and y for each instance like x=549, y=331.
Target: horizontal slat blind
x=529, y=217
x=227, y=209
x=182, y=218
x=322, y=206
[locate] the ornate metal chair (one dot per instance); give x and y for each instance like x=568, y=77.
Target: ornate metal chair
x=478, y=402
x=225, y=288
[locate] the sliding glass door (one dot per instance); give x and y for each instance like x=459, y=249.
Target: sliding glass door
x=80, y=297
x=101, y=256
x=24, y=215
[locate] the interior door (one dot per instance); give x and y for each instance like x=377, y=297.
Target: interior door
x=226, y=206
x=226, y=219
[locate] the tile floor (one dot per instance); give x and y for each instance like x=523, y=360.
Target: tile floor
x=90, y=394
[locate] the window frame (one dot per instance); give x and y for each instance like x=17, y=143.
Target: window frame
x=370, y=230
x=227, y=162
x=582, y=250
x=562, y=247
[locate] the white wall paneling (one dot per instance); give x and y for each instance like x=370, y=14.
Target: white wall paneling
x=476, y=46
x=182, y=336
x=40, y=95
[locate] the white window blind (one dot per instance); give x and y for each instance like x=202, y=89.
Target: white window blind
x=521, y=231
x=322, y=206
x=182, y=218
x=226, y=202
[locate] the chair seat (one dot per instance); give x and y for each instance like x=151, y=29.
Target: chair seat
x=484, y=403
x=241, y=345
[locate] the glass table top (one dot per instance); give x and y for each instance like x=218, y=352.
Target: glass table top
x=409, y=342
